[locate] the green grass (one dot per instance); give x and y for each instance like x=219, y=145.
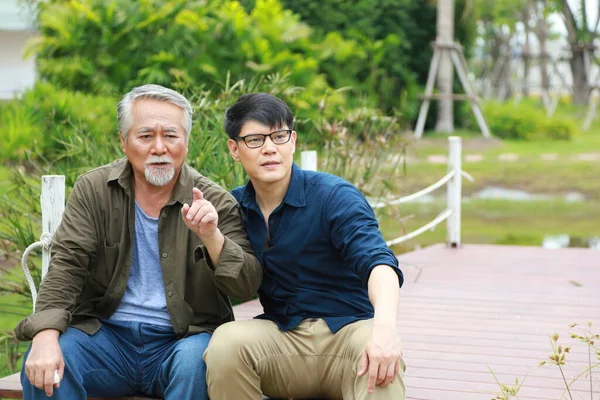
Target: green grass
x=538, y=176
x=474, y=142
x=496, y=222
x=13, y=307
x=504, y=221
x=529, y=172
x=4, y=180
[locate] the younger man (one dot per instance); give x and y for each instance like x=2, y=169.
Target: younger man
x=330, y=286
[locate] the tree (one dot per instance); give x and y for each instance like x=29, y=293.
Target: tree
x=541, y=30
x=445, y=34
x=498, y=25
x=581, y=35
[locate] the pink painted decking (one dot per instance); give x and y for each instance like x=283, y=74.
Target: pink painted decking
x=464, y=310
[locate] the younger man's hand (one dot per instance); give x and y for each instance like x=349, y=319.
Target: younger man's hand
x=381, y=357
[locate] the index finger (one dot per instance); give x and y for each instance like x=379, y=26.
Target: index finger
x=373, y=370
x=197, y=194
x=49, y=382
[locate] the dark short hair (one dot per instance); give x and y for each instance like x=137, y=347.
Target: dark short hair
x=260, y=107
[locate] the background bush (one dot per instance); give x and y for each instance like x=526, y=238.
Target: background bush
x=525, y=121
x=110, y=46
x=379, y=47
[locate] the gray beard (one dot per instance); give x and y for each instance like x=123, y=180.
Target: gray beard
x=159, y=176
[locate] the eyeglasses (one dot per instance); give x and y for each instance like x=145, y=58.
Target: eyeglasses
x=256, y=140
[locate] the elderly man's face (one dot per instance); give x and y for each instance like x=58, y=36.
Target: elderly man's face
x=156, y=144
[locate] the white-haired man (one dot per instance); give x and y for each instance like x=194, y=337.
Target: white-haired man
x=142, y=265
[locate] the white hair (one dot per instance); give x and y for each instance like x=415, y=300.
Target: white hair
x=152, y=92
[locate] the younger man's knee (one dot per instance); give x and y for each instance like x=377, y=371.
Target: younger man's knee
x=226, y=345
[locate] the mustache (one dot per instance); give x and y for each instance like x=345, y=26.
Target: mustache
x=159, y=160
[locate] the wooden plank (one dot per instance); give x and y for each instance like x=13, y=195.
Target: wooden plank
x=464, y=310
x=10, y=388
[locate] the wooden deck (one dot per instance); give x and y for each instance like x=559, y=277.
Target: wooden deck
x=464, y=310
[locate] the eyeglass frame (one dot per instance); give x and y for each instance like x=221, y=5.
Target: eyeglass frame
x=264, y=138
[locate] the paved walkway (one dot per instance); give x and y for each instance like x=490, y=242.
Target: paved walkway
x=464, y=310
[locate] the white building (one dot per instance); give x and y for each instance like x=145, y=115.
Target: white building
x=16, y=28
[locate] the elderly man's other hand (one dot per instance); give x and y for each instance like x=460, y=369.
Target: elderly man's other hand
x=44, y=361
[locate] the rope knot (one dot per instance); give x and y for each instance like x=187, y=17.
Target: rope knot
x=46, y=240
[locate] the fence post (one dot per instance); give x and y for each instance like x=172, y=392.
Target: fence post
x=53, y=205
x=454, y=191
x=308, y=160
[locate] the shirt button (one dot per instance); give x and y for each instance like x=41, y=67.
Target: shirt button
x=164, y=215
x=165, y=255
x=271, y=222
x=169, y=293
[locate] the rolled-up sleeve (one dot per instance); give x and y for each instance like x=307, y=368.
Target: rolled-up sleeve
x=238, y=272
x=73, y=245
x=354, y=231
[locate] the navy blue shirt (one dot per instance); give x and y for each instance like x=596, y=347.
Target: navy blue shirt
x=324, y=242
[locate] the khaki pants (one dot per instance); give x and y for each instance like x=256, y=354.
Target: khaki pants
x=246, y=359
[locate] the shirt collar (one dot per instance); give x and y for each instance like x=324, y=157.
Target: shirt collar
x=294, y=196
x=183, y=188
x=122, y=173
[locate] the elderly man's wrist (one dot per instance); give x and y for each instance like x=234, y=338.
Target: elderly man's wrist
x=215, y=238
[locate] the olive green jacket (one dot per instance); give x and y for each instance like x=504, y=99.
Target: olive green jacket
x=92, y=247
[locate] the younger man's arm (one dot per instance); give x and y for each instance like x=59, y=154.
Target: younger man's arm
x=381, y=358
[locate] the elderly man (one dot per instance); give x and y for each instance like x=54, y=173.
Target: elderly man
x=142, y=265
x=331, y=285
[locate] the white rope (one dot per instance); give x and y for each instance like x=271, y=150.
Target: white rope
x=466, y=175
x=442, y=216
x=45, y=242
x=382, y=203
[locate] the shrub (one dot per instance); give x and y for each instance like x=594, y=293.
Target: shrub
x=20, y=127
x=109, y=46
x=523, y=121
x=46, y=118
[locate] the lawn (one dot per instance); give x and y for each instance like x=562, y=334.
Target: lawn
x=529, y=172
x=503, y=220
x=4, y=180
x=13, y=307
x=496, y=222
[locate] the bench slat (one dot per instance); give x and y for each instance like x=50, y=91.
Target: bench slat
x=10, y=388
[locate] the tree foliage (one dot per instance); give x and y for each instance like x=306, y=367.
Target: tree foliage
x=380, y=47
x=405, y=29
x=109, y=46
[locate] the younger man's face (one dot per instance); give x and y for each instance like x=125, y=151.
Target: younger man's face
x=270, y=163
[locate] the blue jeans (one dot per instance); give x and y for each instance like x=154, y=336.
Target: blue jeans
x=128, y=358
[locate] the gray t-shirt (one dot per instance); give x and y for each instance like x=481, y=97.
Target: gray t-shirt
x=144, y=299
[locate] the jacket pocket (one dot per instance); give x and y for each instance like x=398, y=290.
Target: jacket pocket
x=106, y=262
